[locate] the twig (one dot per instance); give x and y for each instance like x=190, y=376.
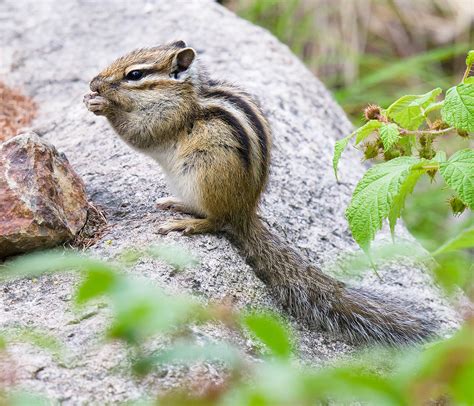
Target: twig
x=404, y=131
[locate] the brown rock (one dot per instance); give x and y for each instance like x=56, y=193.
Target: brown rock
x=42, y=200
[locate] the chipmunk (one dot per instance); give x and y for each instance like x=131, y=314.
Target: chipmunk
x=213, y=143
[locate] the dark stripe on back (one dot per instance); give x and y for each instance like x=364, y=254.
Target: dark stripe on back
x=242, y=105
x=237, y=129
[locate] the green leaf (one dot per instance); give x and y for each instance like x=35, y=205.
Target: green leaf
x=97, y=282
x=49, y=261
x=270, y=332
x=23, y=398
x=373, y=198
x=339, y=147
x=434, y=106
x=464, y=240
x=174, y=255
x=458, y=173
x=408, y=111
x=361, y=133
x=390, y=135
x=39, y=338
x=368, y=128
x=406, y=188
x=455, y=270
x=142, y=310
x=470, y=58
x=458, y=109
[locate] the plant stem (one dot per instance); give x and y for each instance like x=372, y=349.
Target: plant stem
x=466, y=73
x=428, y=121
x=429, y=167
x=403, y=131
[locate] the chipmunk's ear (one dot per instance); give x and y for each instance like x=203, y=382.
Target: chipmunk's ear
x=178, y=44
x=183, y=60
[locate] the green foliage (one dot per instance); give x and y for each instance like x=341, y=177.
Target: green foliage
x=373, y=197
x=458, y=172
x=338, y=149
x=455, y=270
x=361, y=134
x=407, y=185
x=270, y=332
x=470, y=59
x=458, y=108
x=38, y=338
x=21, y=398
x=173, y=255
x=142, y=312
x=404, y=126
x=409, y=111
x=389, y=135
x=463, y=240
x=368, y=128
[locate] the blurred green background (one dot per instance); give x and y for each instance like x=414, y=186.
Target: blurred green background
x=374, y=51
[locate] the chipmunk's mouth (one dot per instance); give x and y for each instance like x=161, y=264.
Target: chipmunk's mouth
x=102, y=86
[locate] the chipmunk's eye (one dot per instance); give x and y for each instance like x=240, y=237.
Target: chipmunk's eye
x=134, y=75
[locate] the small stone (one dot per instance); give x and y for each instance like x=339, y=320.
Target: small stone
x=42, y=200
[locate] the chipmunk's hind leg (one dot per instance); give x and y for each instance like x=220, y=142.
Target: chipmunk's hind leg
x=174, y=204
x=188, y=226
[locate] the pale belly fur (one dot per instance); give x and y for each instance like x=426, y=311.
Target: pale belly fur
x=182, y=185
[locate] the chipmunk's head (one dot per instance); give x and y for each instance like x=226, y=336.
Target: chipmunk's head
x=151, y=78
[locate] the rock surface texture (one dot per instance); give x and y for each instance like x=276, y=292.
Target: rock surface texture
x=52, y=49
x=43, y=201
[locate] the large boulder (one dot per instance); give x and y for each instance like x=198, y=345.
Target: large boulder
x=42, y=200
x=53, y=49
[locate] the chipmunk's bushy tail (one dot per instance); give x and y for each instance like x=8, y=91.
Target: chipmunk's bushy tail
x=321, y=301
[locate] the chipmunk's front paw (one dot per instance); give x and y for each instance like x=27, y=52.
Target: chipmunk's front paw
x=97, y=104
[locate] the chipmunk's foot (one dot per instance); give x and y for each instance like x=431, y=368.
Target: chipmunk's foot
x=187, y=226
x=96, y=104
x=173, y=204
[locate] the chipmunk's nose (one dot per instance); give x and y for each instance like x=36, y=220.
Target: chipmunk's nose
x=96, y=84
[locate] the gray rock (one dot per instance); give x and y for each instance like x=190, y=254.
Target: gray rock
x=53, y=49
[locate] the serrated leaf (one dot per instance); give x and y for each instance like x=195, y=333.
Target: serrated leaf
x=470, y=58
x=389, y=135
x=373, y=198
x=458, y=109
x=464, y=240
x=368, y=128
x=361, y=133
x=458, y=173
x=270, y=332
x=406, y=189
x=339, y=147
x=408, y=110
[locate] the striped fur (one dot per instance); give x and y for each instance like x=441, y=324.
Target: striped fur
x=213, y=143
x=236, y=129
